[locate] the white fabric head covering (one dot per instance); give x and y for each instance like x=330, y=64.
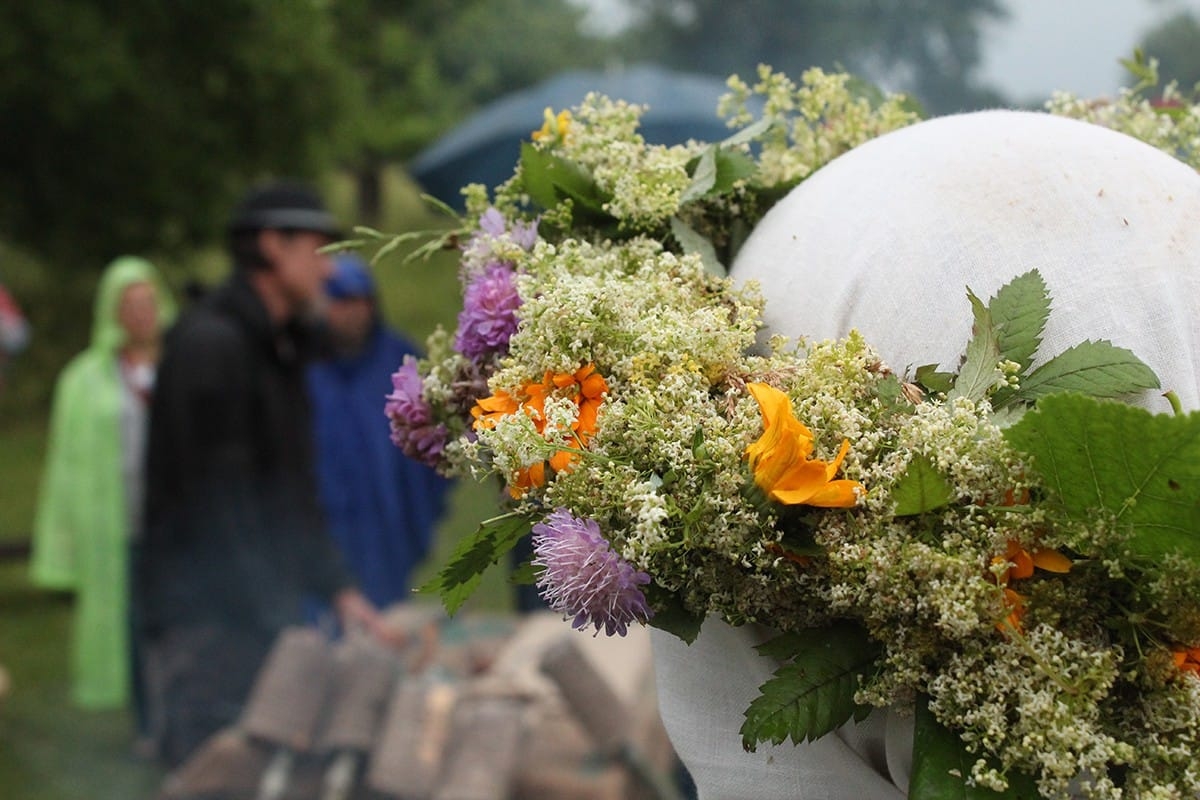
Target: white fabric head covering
x=886, y=239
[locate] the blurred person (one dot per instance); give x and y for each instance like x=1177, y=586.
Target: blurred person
x=14, y=330
x=234, y=535
x=89, y=508
x=382, y=505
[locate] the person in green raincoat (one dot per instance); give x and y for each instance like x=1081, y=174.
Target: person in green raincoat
x=89, y=508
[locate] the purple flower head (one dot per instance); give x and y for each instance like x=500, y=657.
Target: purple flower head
x=413, y=429
x=489, y=315
x=492, y=226
x=583, y=576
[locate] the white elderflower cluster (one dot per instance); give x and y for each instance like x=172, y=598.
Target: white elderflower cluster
x=644, y=181
x=1170, y=124
x=816, y=121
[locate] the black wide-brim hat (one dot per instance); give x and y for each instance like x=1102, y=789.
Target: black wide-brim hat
x=284, y=205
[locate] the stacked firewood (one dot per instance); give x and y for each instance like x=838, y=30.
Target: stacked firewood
x=477, y=708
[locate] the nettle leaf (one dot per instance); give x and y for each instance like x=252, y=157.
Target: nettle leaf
x=1098, y=369
x=1019, y=311
x=921, y=488
x=695, y=244
x=1101, y=454
x=978, y=373
x=459, y=578
x=941, y=765
x=715, y=172
x=814, y=694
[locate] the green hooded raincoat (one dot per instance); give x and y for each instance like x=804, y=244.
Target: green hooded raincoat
x=81, y=538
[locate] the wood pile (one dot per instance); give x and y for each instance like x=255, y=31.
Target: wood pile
x=475, y=708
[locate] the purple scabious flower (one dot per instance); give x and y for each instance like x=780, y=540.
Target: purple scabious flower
x=583, y=576
x=489, y=315
x=413, y=428
x=493, y=226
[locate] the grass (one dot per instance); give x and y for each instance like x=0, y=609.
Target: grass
x=48, y=749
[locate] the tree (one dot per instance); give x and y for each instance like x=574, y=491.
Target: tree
x=927, y=47
x=133, y=124
x=423, y=65
x=1175, y=42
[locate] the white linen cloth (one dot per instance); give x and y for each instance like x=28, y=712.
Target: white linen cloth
x=886, y=239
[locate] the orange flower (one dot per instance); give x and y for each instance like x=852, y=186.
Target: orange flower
x=782, y=461
x=1188, y=660
x=1021, y=565
x=585, y=386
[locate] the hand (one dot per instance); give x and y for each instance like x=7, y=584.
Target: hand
x=358, y=614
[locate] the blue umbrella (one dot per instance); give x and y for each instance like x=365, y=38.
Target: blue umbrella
x=485, y=147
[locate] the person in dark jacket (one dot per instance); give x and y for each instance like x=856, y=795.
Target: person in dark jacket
x=234, y=538
x=382, y=505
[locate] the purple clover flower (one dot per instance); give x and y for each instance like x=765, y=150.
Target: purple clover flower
x=413, y=428
x=489, y=315
x=583, y=576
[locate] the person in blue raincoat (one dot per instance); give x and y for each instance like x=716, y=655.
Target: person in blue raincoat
x=382, y=506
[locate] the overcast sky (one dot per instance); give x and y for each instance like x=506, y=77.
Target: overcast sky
x=1068, y=44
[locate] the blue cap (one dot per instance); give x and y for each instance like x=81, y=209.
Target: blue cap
x=351, y=278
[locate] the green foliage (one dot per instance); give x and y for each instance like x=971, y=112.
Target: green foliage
x=978, y=372
x=670, y=615
x=1019, y=311
x=941, y=763
x=936, y=44
x=814, y=693
x=1175, y=43
x=131, y=126
x=1098, y=369
x=1142, y=468
x=921, y=488
x=462, y=573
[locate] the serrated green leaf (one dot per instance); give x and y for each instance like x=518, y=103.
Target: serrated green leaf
x=1100, y=454
x=814, y=694
x=459, y=578
x=941, y=765
x=978, y=373
x=670, y=614
x=695, y=244
x=921, y=488
x=1098, y=369
x=1019, y=311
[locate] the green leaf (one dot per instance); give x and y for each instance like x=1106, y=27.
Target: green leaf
x=695, y=244
x=1019, y=311
x=459, y=578
x=1098, y=369
x=750, y=132
x=814, y=694
x=704, y=177
x=921, y=488
x=941, y=765
x=928, y=376
x=1100, y=454
x=549, y=179
x=732, y=166
x=978, y=373
x=670, y=615
x=784, y=646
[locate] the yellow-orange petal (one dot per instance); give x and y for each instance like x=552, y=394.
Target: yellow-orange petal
x=837, y=494
x=1051, y=560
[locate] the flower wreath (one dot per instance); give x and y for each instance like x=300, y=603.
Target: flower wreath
x=670, y=467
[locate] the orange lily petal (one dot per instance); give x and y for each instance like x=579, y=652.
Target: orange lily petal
x=1051, y=560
